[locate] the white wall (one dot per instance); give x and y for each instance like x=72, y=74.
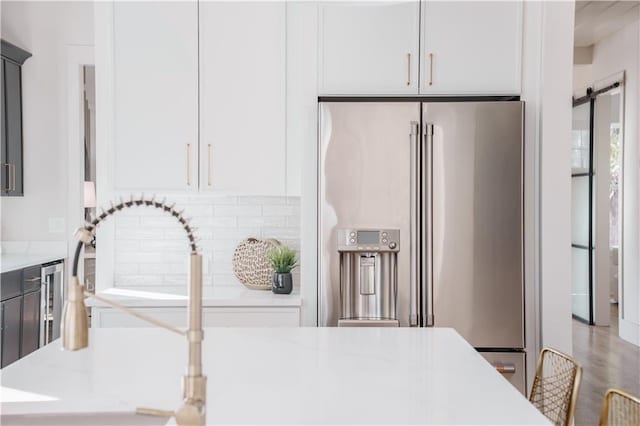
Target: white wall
x=582, y=78
x=555, y=174
x=547, y=87
x=616, y=53
x=45, y=29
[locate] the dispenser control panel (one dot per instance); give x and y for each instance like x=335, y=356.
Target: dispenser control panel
x=369, y=240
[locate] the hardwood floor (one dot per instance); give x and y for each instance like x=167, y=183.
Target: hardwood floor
x=607, y=362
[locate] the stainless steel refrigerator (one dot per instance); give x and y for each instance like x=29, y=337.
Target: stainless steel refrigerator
x=449, y=177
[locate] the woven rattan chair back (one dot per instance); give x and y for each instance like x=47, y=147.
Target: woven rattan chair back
x=555, y=387
x=620, y=409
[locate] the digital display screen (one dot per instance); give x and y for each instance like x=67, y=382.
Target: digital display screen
x=368, y=237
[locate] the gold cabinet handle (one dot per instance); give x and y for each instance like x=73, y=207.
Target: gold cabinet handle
x=209, y=164
x=188, y=164
x=11, y=181
x=430, y=69
x=408, y=69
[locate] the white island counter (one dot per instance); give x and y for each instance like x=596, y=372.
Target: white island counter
x=275, y=376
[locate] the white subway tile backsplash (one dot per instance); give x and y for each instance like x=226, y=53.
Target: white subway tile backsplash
x=286, y=210
x=162, y=246
x=213, y=200
x=199, y=210
x=151, y=248
x=164, y=221
x=225, y=280
x=129, y=221
x=242, y=210
x=216, y=221
x=174, y=232
x=263, y=201
x=126, y=268
x=136, y=258
x=262, y=221
x=128, y=246
x=132, y=280
x=281, y=233
x=236, y=234
x=293, y=221
x=138, y=233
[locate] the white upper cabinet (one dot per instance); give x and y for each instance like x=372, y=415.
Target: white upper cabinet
x=471, y=47
x=466, y=48
x=242, y=97
x=368, y=48
x=155, y=95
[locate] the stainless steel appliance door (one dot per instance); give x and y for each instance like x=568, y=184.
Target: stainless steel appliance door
x=365, y=181
x=473, y=245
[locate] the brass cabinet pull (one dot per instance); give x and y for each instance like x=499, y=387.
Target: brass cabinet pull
x=408, y=69
x=209, y=164
x=430, y=69
x=188, y=164
x=11, y=178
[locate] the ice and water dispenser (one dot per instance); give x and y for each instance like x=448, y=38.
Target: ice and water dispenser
x=368, y=277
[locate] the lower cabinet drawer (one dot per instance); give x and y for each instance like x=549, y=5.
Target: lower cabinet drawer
x=511, y=365
x=211, y=317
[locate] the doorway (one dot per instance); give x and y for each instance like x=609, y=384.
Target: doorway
x=89, y=205
x=596, y=213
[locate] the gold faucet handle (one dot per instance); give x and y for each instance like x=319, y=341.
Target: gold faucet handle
x=144, y=411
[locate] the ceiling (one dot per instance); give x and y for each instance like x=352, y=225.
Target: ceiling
x=596, y=20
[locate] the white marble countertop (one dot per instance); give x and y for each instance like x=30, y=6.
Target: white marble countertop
x=22, y=254
x=13, y=261
x=275, y=376
x=212, y=296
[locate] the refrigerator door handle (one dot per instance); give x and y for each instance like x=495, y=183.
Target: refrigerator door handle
x=426, y=228
x=45, y=314
x=414, y=295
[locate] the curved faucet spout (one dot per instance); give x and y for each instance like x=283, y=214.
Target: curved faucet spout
x=75, y=326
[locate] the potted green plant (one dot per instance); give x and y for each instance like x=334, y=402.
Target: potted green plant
x=283, y=260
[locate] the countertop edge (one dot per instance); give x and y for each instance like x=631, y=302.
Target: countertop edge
x=228, y=298
x=28, y=260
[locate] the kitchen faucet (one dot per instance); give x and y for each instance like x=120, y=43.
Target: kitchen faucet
x=75, y=324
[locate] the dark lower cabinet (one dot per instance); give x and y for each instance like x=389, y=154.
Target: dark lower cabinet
x=11, y=333
x=30, y=322
x=20, y=313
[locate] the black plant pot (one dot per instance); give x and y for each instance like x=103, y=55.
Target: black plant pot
x=282, y=283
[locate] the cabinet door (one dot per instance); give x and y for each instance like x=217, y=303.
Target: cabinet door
x=11, y=319
x=155, y=66
x=4, y=172
x=369, y=47
x=11, y=284
x=471, y=47
x=30, y=323
x=13, y=129
x=242, y=97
